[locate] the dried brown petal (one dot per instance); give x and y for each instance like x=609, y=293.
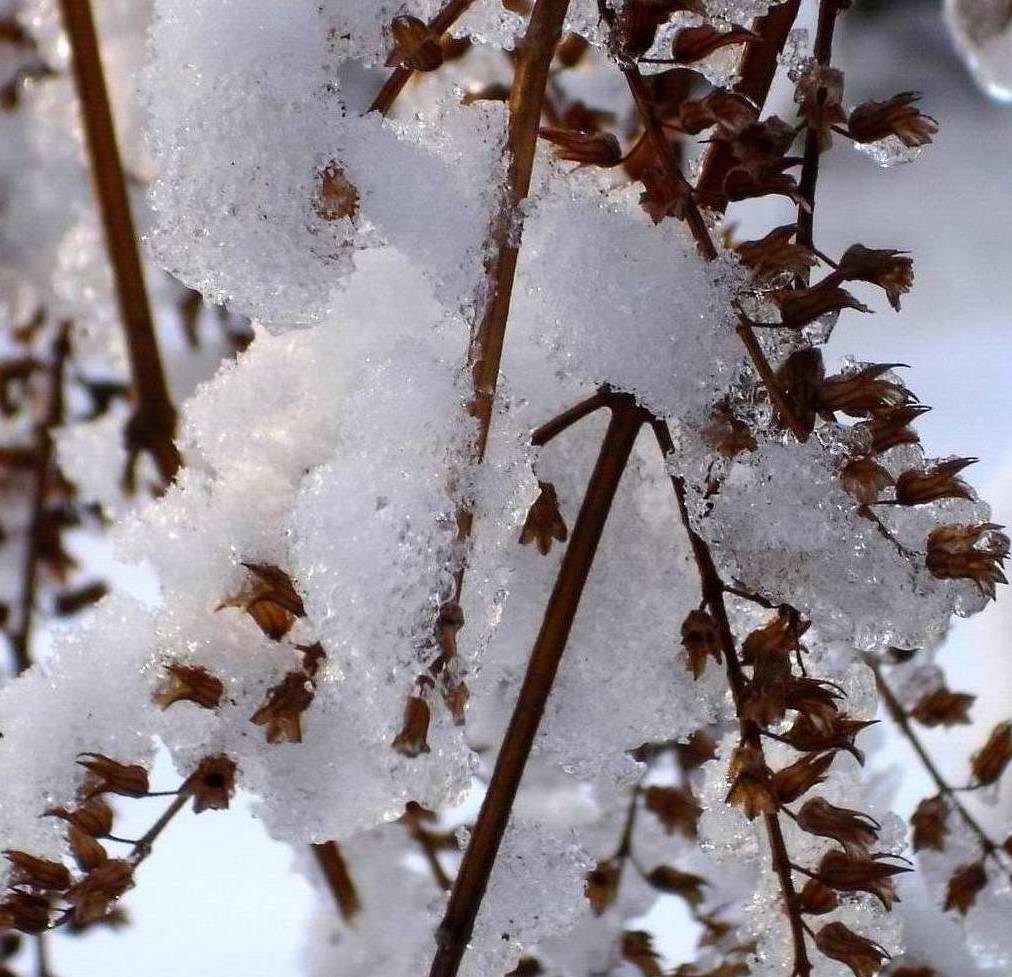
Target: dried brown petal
x=943, y=708
x=856, y=872
x=852, y=829
x=965, y=885
x=544, y=521
x=700, y=640
x=928, y=822
x=110, y=777
x=864, y=479
x=794, y=781
x=638, y=949
x=188, y=683
x=283, y=707
x=775, y=255
x=94, y=895
x=585, y=148
x=416, y=47
x=816, y=899
x=39, y=873
x=212, y=784
x=336, y=196
x=915, y=486
x=872, y=121
x=864, y=957
x=692, y=44
x=675, y=808
x=411, y=740
x=670, y=880
x=601, y=884
x=890, y=270
x=87, y=852
x=990, y=761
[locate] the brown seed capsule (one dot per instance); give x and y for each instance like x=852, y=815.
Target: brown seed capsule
x=965, y=885
x=281, y=712
x=544, y=521
x=188, y=683
x=898, y=116
x=858, y=393
x=675, y=808
x=416, y=47
x=760, y=147
x=448, y=622
x=585, y=148
x=852, y=829
x=692, y=44
x=864, y=957
x=857, y=872
x=110, y=777
x=864, y=479
x=794, y=781
x=24, y=911
x=664, y=878
x=780, y=634
x=601, y=885
x=971, y=552
x=700, y=640
x=800, y=377
x=805, y=736
x=93, y=896
x=943, y=707
x=39, y=873
x=87, y=852
x=456, y=696
x=336, y=196
x=411, y=740
x=816, y=899
x=891, y=427
x=775, y=255
x=270, y=598
x=727, y=111
x=819, y=96
x=928, y=822
x=891, y=270
x=990, y=761
x=751, y=784
x=212, y=784
x=915, y=486
x=93, y=817
x=800, y=306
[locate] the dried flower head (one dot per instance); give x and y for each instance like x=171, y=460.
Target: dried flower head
x=864, y=957
x=416, y=47
x=751, y=783
x=898, y=116
x=943, y=707
x=87, y=852
x=675, y=808
x=336, y=196
x=929, y=824
x=990, y=761
x=601, y=884
x=852, y=829
x=39, y=873
x=856, y=871
x=94, y=816
x=24, y=911
x=270, y=598
x=775, y=255
x=670, y=880
x=412, y=738
x=970, y=552
x=212, y=784
x=281, y=712
x=819, y=96
x=816, y=899
x=585, y=148
x=966, y=884
x=700, y=640
x=692, y=44
x=916, y=486
x=544, y=521
x=891, y=270
x=93, y=896
x=795, y=780
x=107, y=776
x=864, y=479
x=188, y=683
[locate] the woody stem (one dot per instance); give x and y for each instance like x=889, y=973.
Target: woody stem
x=143, y=845
x=155, y=417
x=713, y=589
x=899, y=716
x=476, y=867
x=401, y=75
x=823, y=52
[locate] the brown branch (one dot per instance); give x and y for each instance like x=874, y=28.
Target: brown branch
x=335, y=873
x=823, y=52
x=713, y=590
x=21, y=638
x=143, y=846
x=472, y=879
x=758, y=69
x=401, y=75
x=899, y=716
x=153, y=425
x=564, y=421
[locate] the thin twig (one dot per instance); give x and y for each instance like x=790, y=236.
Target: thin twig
x=335, y=873
x=564, y=421
x=143, y=846
x=154, y=422
x=769, y=378
x=476, y=867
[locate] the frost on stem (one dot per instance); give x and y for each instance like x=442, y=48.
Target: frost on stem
x=692, y=722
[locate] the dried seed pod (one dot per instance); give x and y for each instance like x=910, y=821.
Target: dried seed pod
x=965, y=885
x=857, y=872
x=700, y=640
x=970, y=552
x=801, y=306
x=638, y=949
x=898, y=116
x=852, y=829
x=87, y=852
x=726, y=434
x=800, y=377
x=794, y=781
x=943, y=707
x=110, y=777
x=775, y=255
x=891, y=427
x=664, y=878
x=727, y=111
x=864, y=957
x=39, y=873
x=780, y=634
x=336, y=196
x=864, y=479
x=25, y=911
x=692, y=44
x=93, y=896
x=212, y=784
x=891, y=270
x=585, y=148
x=929, y=824
x=411, y=740
x=819, y=96
x=188, y=683
x=675, y=808
x=751, y=783
x=601, y=884
x=281, y=712
x=416, y=47
x=990, y=761
x=806, y=737
x=94, y=816
x=816, y=899
x=270, y=599
x=916, y=487
x=544, y=521
x=759, y=148
x=858, y=393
